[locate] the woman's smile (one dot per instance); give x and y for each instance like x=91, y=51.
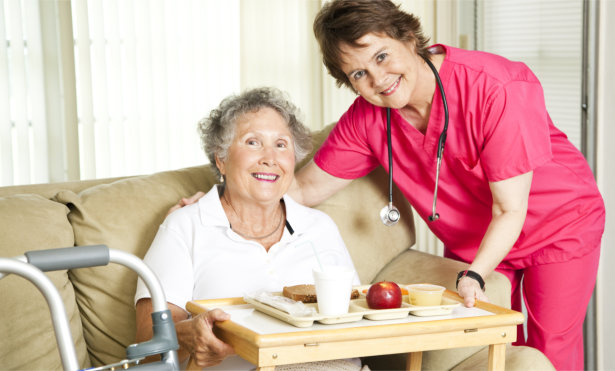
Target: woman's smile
x=392, y=88
x=266, y=177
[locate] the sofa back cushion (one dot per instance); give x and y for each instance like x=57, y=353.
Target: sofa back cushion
x=27, y=341
x=123, y=215
x=356, y=211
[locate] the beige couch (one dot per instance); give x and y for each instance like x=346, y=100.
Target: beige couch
x=125, y=213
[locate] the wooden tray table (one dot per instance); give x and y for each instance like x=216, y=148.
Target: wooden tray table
x=267, y=342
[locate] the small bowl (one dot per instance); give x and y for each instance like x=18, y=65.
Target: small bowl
x=424, y=294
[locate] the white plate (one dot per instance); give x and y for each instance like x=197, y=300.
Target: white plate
x=445, y=308
x=360, y=305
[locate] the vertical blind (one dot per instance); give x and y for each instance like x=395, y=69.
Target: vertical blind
x=146, y=72
x=125, y=81
x=547, y=36
x=23, y=135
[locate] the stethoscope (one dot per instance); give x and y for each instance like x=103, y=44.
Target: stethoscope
x=390, y=214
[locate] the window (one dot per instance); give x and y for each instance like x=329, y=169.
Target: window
x=105, y=88
x=23, y=136
x=146, y=72
x=94, y=89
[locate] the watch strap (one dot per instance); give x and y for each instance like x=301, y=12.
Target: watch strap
x=473, y=275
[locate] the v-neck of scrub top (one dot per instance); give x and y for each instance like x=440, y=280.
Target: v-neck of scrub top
x=428, y=141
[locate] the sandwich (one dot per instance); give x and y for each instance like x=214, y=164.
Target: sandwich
x=307, y=293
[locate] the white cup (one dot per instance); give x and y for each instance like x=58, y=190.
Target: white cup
x=333, y=288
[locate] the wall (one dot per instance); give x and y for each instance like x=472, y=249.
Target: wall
x=605, y=300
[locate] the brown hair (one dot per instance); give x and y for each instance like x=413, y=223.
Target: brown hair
x=345, y=21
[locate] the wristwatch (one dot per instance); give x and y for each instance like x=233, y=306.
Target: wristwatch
x=472, y=275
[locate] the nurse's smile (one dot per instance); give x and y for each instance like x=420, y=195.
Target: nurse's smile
x=392, y=88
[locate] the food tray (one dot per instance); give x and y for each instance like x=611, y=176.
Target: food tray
x=357, y=311
x=445, y=308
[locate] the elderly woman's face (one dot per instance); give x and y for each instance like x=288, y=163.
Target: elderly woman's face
x=260, y=163
x=384, y=71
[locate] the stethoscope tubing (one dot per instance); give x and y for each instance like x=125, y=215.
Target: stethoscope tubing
x=441, y=141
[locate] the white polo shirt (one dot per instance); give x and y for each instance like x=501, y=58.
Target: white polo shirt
x=196, y=255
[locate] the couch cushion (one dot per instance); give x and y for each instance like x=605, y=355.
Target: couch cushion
x=27, y=341
x=356, y=211
x=123, y=215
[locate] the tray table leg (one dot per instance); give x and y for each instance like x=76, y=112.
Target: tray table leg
x=497, y=357
x=414, y=361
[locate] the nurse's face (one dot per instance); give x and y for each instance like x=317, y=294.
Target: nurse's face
x=259, y=166
x=383, y=70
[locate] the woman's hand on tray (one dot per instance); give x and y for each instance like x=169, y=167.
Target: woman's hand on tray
x=196, y=336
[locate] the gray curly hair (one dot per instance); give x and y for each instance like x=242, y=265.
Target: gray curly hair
x=218, y=129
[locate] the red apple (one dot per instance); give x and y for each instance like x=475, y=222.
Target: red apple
x=384, y=295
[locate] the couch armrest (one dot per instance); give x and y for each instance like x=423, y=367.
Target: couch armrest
x=413, y=266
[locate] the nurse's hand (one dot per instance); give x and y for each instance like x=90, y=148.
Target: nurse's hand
x=186, y=201
x=469, y=289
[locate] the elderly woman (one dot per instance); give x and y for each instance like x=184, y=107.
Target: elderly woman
x=514, y=194
x=245, y=234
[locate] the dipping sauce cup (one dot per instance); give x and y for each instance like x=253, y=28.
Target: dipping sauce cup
x=424, y=294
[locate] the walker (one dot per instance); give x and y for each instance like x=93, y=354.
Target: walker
x=31, y=266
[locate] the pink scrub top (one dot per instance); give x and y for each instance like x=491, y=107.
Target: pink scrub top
x=498, y=128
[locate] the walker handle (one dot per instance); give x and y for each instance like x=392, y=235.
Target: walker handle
x=69, y=257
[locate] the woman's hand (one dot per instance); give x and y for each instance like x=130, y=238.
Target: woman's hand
x=186, y=201
x=469, y=289
x=196, y=337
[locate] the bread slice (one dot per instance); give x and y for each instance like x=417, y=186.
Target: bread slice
x=304, y=293
x=307, y=293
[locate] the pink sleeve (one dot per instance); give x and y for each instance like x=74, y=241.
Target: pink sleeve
x=516, y=131
x=346, y=152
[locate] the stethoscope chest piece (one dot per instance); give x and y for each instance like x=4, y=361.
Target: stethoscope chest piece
x=389, y=215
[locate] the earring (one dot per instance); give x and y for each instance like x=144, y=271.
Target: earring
x=221, y=178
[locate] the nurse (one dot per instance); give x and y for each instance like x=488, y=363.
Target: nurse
x=514, y=194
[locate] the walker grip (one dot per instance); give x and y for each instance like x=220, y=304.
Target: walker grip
x=69, y=257
x=164, y=338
